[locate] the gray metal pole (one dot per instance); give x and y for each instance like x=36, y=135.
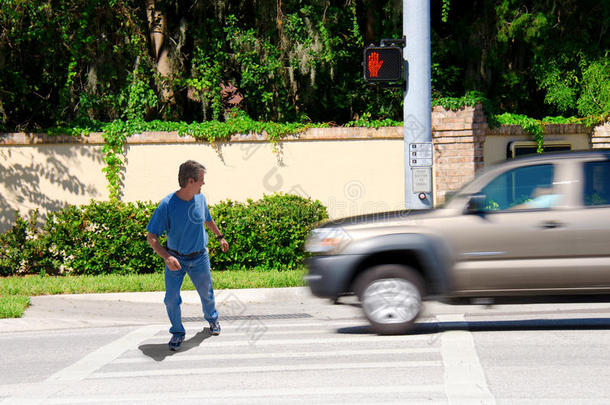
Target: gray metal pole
x=419, y=152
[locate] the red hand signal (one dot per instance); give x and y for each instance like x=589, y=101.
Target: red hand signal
x=374, y=64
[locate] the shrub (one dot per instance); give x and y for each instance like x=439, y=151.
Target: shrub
x=100, y=238
x=21, y=248
x=268, y=233
x=110, y=237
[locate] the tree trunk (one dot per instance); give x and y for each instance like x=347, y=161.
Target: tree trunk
x=157, y=25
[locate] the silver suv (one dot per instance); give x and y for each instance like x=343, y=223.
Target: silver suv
x=527, y=228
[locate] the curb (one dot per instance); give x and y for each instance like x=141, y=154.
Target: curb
x=247, y=295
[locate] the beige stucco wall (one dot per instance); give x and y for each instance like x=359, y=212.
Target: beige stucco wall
x=47, y=177
x=349, y=176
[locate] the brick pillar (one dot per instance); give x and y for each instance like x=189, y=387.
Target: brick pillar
x=458, y=138
x=600, y=138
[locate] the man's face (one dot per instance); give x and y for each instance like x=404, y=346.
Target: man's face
x=196, y=185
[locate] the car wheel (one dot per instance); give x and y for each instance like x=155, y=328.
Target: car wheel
x=391, y=297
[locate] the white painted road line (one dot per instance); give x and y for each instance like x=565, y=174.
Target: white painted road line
x=104, y=355
x=292, y=331
x=464, y=377
x=237, y=325
x=180, y=358
x=218, y=342
x=78, y=371
x=227, y=395
x=265, y=369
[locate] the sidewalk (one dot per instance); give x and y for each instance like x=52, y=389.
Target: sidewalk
x=142, y=308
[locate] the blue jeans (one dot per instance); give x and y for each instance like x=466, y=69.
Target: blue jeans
x=198, y=269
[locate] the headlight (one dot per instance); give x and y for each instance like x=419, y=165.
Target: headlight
x=323, y=240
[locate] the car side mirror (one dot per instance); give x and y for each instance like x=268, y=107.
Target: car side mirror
x=450, y=194
x=476, y=204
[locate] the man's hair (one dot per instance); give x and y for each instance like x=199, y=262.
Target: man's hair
x=189, y=170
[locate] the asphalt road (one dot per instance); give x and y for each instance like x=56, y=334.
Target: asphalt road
x=284, y=346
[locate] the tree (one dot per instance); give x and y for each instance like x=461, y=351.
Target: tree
x=84, y=61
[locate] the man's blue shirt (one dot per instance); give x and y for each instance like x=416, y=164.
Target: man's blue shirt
x=183, y=221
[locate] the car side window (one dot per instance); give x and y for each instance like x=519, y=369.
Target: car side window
x=597, y=183
x=528, y=187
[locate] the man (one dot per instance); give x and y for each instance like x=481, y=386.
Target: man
x=181, y=215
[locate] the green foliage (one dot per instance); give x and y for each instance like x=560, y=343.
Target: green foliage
x=13, y=306
x=110, y=237
x=17, y=288
x=445, y=7
x=138, y=98
x=561, y=120
x=268, y=233
x=561, y=90
x=15, y=291
x=366, y=122
x=529, y=125
x=535, y=128
x=98, y=238
x=525, y=57
x=78, y=63
x=470, y=99
x=56, y=55
x=595, y=96
x=260, y=62
x=205, y=79
x=115, y=136
x=21, y=248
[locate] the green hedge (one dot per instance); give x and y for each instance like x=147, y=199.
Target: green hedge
x=110, y=237
x=268, y=233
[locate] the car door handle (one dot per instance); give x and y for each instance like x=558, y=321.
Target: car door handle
x=551, y=224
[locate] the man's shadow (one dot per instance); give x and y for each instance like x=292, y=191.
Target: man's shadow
x=160, y=351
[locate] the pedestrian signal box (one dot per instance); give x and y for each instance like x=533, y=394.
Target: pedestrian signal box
x=383, y=64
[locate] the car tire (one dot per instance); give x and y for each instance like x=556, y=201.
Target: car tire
x=391, y=297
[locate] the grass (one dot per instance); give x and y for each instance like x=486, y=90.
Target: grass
x=13, y=306
x=15, y=291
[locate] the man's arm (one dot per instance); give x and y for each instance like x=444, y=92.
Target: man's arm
x=224, y=245
x=170, y=261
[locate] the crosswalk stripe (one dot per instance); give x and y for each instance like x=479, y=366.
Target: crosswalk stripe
x=292, y=331
x=218, y=342
x=278, y=324
x=464, y=376
x=277, y=355
x=102, y=356
x=266, y=369
x=251, y=393
x=82, y=368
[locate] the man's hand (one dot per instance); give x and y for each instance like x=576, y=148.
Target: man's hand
x=224, y=245
x=172, y=263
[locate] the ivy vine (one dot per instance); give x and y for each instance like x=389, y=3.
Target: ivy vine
x=115, y=133
x=115, y=136
x=535, y=127
x=530, y=125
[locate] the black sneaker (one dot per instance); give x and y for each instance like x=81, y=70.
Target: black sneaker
x=175, y=343
x=215, y=328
